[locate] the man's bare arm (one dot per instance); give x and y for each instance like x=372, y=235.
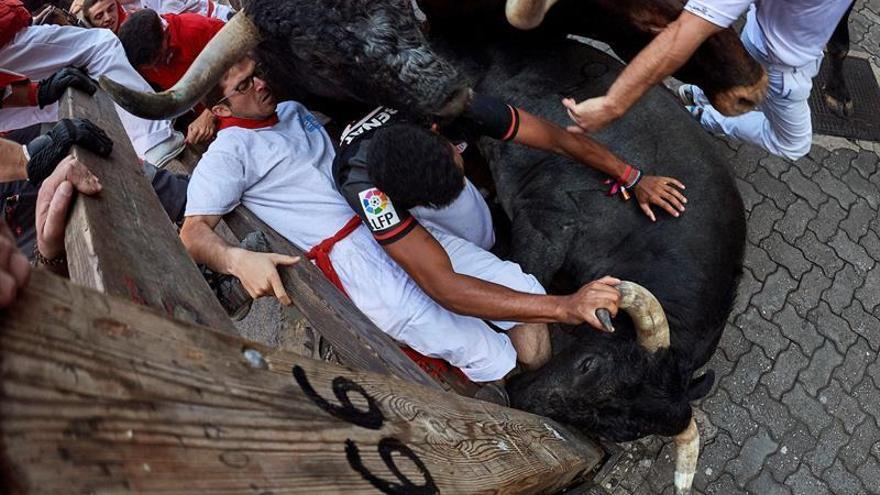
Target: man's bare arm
x=425, y=260
x=14, y=163
x=663, y=56
x=664, y=192
x=256, y=271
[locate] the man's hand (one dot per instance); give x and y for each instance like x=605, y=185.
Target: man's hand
x=15, y=271
x=660, y=191
x=590, y=115
x=51, y=89
x=202, y=129
x=47, y=151
x=582, y=305
x=54, y=200
x=258, y=273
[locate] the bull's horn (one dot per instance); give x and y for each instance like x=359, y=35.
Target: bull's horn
x=652, y=329
x=233, y=42
x=527, y=14
x=687, y=449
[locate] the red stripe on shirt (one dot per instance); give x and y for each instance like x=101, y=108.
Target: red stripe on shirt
x=514, y=120
x=399, y=229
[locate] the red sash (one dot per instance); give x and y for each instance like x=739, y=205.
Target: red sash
x=320, y=252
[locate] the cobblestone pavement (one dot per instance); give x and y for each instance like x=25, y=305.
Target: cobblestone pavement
x=796, y=405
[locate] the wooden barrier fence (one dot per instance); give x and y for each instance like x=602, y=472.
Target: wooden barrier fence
x=101, y=395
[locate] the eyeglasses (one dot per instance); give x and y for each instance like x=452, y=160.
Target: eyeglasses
x=241, y=88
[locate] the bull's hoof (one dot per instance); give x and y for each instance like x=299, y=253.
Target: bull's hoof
x=842, y=107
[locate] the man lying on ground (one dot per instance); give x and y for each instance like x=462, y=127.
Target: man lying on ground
x=277, y=160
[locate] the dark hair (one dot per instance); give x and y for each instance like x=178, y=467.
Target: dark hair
x=414, y=166
x=86, y=7
x=142, y=35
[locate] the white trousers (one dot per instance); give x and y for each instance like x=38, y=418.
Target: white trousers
x=395, y=303
x=782, y=124
x=40, y=51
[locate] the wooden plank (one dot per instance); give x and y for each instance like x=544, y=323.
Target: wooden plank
x=357, y=341
x=100, y=395
x=121, y=241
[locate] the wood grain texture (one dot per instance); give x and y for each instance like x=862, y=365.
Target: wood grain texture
x=121, y=242
x=99, y=395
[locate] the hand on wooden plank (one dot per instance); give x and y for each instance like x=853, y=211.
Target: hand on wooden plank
x=54, y=200
x=15, y=270
x=258, y=273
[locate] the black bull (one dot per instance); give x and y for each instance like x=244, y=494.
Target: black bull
x=567, y=232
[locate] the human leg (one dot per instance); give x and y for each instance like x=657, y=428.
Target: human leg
x=386, y=294
x=782, y=124
x=532, y=344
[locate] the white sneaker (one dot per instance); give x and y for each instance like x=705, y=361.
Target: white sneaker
x=163, y=152
x=686, y=95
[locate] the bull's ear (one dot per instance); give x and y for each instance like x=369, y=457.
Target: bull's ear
x=699, y=387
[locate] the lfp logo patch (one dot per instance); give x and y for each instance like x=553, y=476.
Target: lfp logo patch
x=379, y=210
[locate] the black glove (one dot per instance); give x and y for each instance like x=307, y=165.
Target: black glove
x=49, y=90
x=49, y=149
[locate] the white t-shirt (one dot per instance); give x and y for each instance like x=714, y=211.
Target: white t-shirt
x=281, y=173
x=794, y=31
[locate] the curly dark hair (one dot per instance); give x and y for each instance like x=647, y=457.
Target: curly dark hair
x=414, y=166
x=141, y=35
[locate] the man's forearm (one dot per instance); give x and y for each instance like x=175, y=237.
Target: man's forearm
x=541, y=134
x=471, y=296
x=206, y=247
x=14, y=164
x=661, y=58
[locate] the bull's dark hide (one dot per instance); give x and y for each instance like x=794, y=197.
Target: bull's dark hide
x=718, y=66
x=367, y=51
x=566, y=229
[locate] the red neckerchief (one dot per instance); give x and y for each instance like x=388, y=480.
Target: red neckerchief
x=121, y=15
x=225, y=122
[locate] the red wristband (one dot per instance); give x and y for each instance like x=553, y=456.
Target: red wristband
x=624, y=177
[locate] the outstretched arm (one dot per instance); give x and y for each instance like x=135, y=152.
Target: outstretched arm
x=663, y=56
x=257, y=271
x=425, y=260
x=661, y=191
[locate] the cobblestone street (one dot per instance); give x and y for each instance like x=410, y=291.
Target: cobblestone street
x=796, y=404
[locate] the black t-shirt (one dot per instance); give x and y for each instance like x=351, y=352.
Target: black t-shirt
x=486, y=116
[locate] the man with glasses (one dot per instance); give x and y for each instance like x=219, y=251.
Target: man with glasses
x=277, y=161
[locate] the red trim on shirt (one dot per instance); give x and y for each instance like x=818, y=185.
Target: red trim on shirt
x=514, y=124
x=387, y=235
x=225, y=122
